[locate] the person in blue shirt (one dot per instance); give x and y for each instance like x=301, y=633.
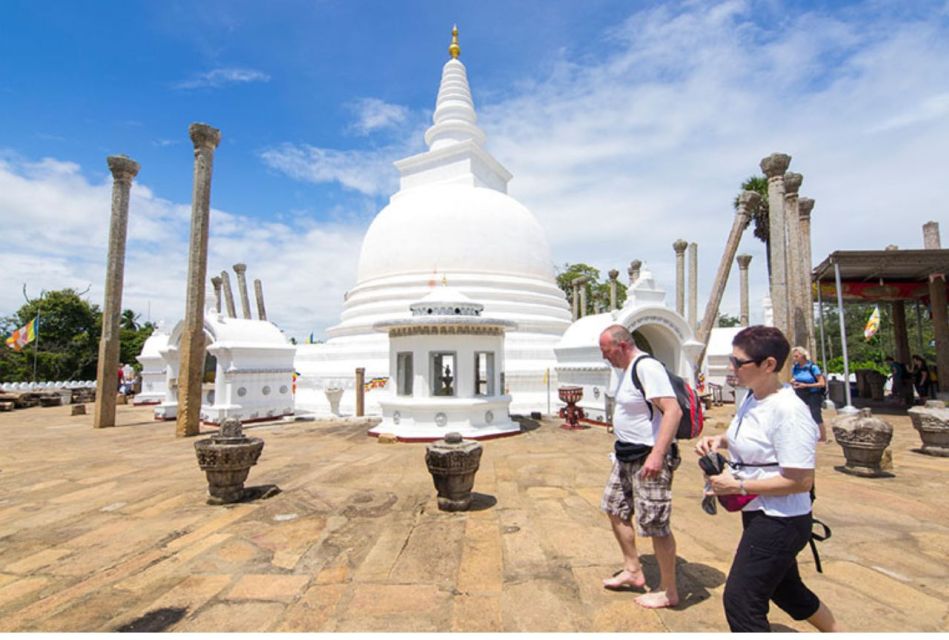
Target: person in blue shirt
x=809, y=383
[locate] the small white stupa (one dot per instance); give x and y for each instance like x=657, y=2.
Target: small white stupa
x=657, y=329
x=448, y=361
x=451, y=218
x=154, y=370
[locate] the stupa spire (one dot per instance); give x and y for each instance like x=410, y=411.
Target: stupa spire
x=454, y=49
x=455, y=119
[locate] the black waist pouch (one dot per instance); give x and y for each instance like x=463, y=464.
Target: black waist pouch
x=630, y=452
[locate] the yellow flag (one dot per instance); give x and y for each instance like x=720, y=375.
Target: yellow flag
x=873, y=324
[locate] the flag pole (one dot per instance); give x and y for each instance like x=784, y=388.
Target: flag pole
x=36, y=343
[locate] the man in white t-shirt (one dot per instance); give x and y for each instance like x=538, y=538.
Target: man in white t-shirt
x=645, y=457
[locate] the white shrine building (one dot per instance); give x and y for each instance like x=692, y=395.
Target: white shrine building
x=154, y=369
x=448, y=365
x=253, y=370
x=452, y=222
x=656, y=328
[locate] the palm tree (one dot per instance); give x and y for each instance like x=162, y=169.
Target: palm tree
x=759, y=184
x=129, y=320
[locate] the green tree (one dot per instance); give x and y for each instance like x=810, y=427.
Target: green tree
x=69, y=330
x=759, y=184
x=598, y=291
x=725, y=320
x=129, y=320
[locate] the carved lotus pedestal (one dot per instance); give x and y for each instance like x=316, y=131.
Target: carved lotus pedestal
x=571, y=413
x=333, y=394
x=932, y=423
x=226, y=459
x=453, y=463
x=863, y=439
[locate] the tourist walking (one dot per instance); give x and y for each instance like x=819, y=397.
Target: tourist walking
x=921, y=378
x=809, y=383
x=772, y=444
x=645, y=457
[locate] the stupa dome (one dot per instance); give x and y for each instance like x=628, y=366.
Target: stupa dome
x=451, y=229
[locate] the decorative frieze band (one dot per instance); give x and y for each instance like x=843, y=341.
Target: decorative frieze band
x=430, y=330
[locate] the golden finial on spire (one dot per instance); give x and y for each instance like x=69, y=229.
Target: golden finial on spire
x=454, y=50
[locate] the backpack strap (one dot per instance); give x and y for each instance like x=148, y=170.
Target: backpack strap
x=639, y=385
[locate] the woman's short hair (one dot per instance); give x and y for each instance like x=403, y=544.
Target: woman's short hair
x=760, y=342
x=803, y=352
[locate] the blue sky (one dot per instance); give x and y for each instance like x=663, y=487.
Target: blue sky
x=626, y=125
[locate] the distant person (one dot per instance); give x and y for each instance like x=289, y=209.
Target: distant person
x=921, y=378
x=901, y=389
x=645, y=457
x=809, y=383
x=772, y=442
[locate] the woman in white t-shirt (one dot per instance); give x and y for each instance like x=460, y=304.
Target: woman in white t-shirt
x=773, y=440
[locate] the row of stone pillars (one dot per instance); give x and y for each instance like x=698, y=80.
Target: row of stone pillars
x=579, y=288
x=222, y=284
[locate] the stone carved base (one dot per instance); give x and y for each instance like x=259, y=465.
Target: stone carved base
x=863, y=439
x=453, y=463
x=932, y=424
x=226, y=459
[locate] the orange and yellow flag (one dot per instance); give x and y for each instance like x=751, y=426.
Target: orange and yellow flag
x=24, y=335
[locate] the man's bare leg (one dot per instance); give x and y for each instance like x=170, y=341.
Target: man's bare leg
x=632, y=573
x=823, y=619
x=666, y=596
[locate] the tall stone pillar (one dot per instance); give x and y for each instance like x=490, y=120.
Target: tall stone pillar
x=259, y=293
x=583, y=298
x=614, y=274
x=900, y=335
x=743, y=261
x=107, y=381
x=206, y=139
x=576, y=301
x=241, y=270
x=774, y=167
x=804, y=208
x=361, y=392
x=579, y=286
x=693, y=285
x=228, y=295
x=216, y=282
x=748, y=202
x=633, y=271
x=680, y=246
x=937, y=300
x=798, y=324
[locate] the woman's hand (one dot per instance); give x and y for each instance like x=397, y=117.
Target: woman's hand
x=710, y=443
x=723, y=484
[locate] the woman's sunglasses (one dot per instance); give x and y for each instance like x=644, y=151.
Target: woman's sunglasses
x=738, y=364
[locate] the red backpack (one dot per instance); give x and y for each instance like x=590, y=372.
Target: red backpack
x=693, y=419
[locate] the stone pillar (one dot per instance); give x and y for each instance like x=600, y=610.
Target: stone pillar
x=900, y=336
x=614, y=274
x=228, y=296
x=107, y=382
x=259, y=293
x=797, y=324
x=360, y=392
x=576, y=302
x=206, y=139
x=241, y=270
x=937, y=301
x=579, y=286
x=216, y=283
x=633, y=271
x=693, y=285
x=804, y=208
x=679, y=246
x=743, y=261
x=931, y=235
x=774, y=167
x=748, y=201
x=583, y=298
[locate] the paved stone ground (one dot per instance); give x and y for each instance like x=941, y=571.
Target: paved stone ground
x=108, y=529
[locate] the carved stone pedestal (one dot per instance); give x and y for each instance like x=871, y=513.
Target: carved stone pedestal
x=333, y=395
x=932, y=423
x=863, y=439
x=571, y=413
x=226, y=459
x=453, y=463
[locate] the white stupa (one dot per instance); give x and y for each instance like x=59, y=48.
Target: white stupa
x=450, y=222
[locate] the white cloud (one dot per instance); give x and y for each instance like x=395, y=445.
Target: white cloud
x=373, y=114
x=366, y=171
x=58, y=226
x=217, y=78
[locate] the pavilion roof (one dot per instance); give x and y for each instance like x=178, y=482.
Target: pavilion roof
x=888, y=265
